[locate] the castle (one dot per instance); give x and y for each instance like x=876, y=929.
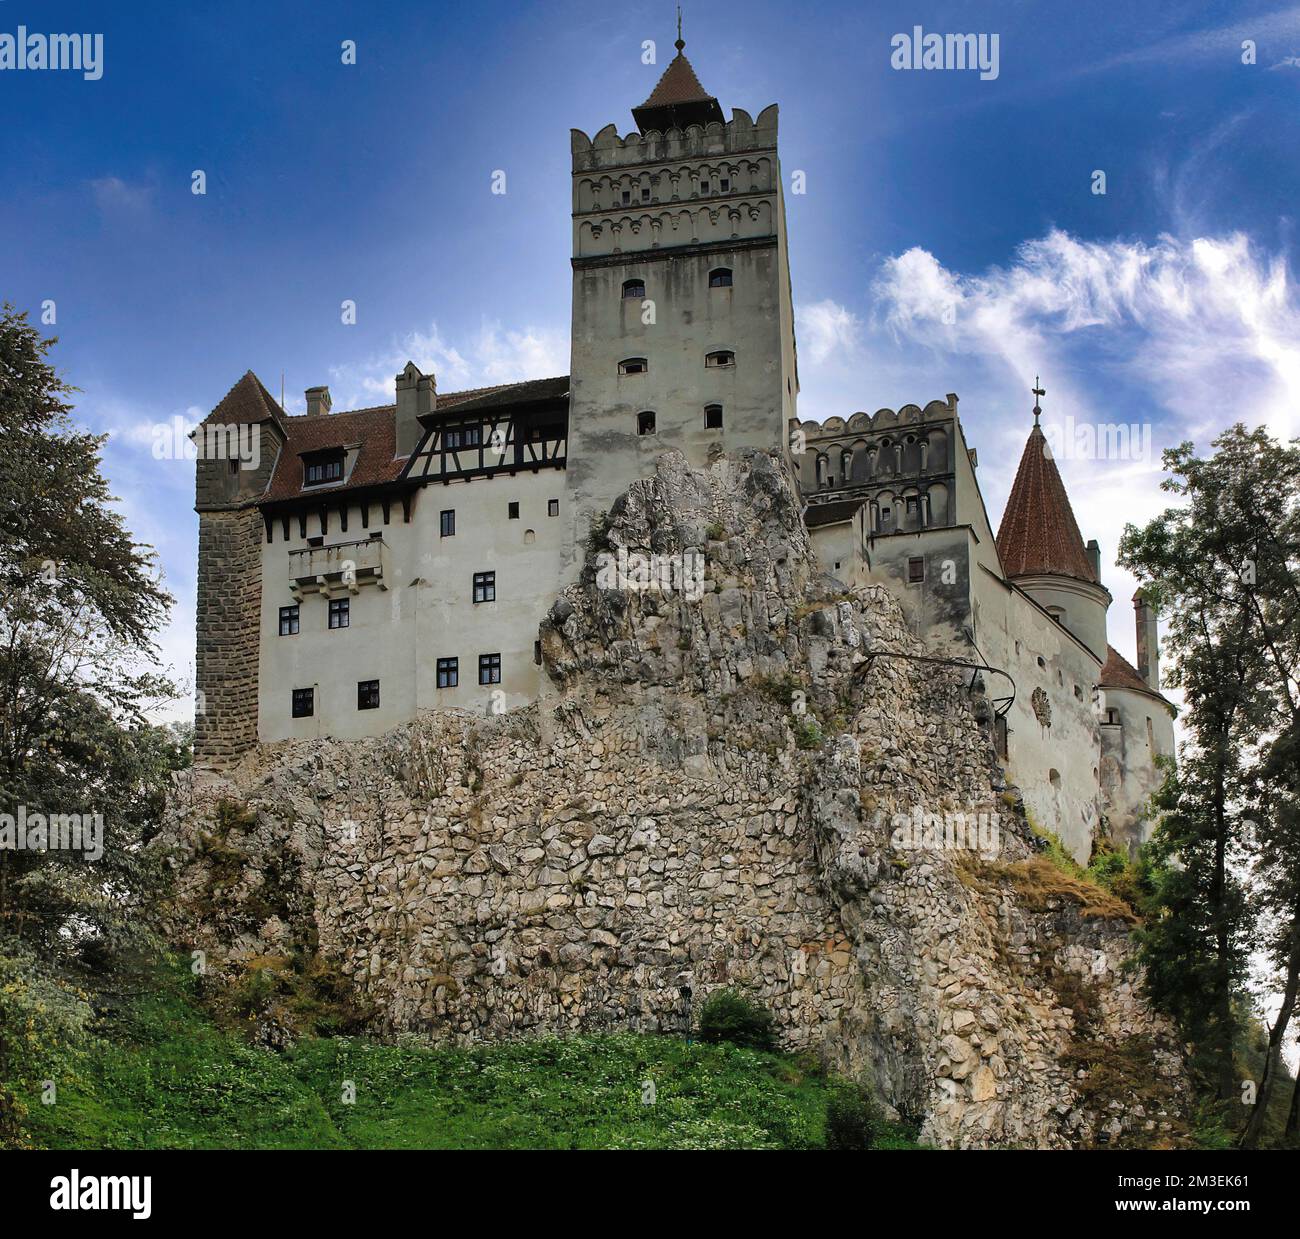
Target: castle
x=362, y=567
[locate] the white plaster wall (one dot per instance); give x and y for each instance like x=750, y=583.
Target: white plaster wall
x=1129, y=773
x=426, y=612
x=1014, y=634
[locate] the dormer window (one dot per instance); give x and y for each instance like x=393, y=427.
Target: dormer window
x=633, y=290
x=633, y=365
x=714, y=361
x=322, y=468
x=720, y=277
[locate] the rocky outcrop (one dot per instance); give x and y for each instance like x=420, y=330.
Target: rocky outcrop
x=742, y=779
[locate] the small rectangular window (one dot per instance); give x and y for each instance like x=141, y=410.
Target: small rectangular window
x=304, y=702
x=645, y=193
x=632, y=365
x=473, y=436
x=489, y=668
x=451, y=440
x=915, y=569
x=485, y=586
x=321, y=469
x=340, y=612
x=512, y=510
x=704, y=186
x=288, y=621
x=234, y=464
x=448, y=672
x=724, y=185
x=447, y=522
x=552, y=507
x=627, y=196
x=367, y=694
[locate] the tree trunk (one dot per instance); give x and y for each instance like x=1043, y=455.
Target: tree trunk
x=1276, y=1037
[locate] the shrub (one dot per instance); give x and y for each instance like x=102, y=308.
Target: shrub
x=730, y=1016
x=852, y=1119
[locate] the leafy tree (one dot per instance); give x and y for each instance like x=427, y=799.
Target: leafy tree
x=1224, y=568
x=79, y=600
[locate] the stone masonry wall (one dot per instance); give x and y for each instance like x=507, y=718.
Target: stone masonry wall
x=708, y=795
x=227, y=618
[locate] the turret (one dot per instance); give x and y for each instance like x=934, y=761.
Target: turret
x=1042, y=550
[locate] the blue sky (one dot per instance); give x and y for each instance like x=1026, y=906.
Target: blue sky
x=949, y=238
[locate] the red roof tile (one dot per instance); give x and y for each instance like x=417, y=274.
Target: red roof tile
x=678, y=99
x=1039, y=534
x=372, y=430
x=1118, y=672
x=245, y=403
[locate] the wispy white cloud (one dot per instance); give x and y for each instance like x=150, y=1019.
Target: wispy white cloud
x=826, y=328
x=494, y=355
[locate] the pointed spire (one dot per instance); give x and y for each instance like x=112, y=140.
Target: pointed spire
x=678, y=99
x=1039, y=535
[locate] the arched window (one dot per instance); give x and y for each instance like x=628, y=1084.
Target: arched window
x=720, y=277
x=634, y=290
x=712, y=417
x=633, y=365
x=720, y=358
x=645, y=423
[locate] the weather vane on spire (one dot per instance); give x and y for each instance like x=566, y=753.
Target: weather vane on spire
x=1038, y=393
x=681, y=43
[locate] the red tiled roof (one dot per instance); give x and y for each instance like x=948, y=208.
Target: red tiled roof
x=1118, y=672
x=373, y=429
x=678, y=99
x=677, y=85
x=1038, y=532
x=247, y=402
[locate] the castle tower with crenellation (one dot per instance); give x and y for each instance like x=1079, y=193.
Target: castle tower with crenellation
x=683, y=325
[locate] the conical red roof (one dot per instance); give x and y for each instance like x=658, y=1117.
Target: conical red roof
x=678, y=99
x=1039, y=534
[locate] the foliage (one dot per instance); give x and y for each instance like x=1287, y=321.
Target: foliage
x=729, y=1016
x=164, y=1076
x=853, y=1119
x=1223, y=566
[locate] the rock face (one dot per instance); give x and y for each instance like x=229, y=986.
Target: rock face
x=752, y=784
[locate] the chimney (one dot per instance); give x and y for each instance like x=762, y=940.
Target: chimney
x=318, y=401
x=417, y=395
x=1148, y=644
x=1094, y=557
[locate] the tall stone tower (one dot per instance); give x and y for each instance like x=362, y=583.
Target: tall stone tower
x=683, y=325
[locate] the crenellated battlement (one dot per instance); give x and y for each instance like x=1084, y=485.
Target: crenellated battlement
x=881, y=419
x=610, y=150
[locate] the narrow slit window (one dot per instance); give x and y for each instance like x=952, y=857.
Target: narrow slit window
x=447, y=523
